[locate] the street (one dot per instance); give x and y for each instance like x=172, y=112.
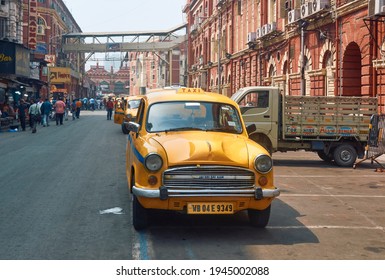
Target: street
x=63, y=195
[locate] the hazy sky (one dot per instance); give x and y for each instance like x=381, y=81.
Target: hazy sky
x=126, y=15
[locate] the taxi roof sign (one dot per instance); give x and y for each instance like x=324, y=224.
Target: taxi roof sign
x=190, y=90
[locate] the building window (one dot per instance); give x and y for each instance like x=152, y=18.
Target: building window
x=41, y=26
x=3, y=27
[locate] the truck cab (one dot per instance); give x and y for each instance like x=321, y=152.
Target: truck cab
x=260, y=106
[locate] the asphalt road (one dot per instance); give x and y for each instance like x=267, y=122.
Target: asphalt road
x=62, y=190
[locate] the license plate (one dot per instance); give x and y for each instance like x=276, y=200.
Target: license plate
x=210, y=208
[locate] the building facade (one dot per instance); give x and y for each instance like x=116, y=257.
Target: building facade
x=151, y=70
x=304, y=47
x=45, y=21
x=110, y=82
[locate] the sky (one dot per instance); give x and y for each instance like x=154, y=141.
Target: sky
x=126, y=15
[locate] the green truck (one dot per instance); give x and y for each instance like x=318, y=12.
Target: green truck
x=335, y=127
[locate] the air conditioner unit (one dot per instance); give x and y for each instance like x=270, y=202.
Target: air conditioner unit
x=306, y=10
x=193, y=28
x=258, y=33
x=319, y=5
x=264, y=30
x=271, y=27
x=251, y=36
x=293, y=16
x=376, y=7
x=379, y=7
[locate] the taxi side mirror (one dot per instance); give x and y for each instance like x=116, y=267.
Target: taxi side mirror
x=251, y=128
x=132, y=126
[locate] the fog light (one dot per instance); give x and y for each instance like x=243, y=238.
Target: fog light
x=262, y=181
x=152, y=180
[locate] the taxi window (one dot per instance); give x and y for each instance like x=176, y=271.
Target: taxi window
x=188, y=115
x=133, y=104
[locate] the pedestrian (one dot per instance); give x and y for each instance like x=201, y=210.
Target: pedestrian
x=60, y=107
x=34, y=113
x=79, y=105
x=73, y=109
x=68, y=106
x=45, y=109
x=21, y=110
x=92, y=104
x=109, y=107
x=39, y=103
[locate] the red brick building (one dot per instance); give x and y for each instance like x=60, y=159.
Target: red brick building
x=44, y=23
x=110, y=82
x=305, y=47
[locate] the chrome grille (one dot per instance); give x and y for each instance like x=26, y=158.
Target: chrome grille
x=212, y=177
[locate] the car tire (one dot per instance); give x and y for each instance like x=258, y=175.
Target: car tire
x=325, y=157
x=345, y=155
x=139, y=214
x=124, y=129
x=259, y=218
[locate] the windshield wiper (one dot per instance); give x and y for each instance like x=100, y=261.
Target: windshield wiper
x=183, y=129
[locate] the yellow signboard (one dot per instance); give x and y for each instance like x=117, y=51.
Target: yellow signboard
x=59, y=75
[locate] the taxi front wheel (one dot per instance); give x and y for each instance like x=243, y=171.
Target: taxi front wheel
x=259, y=218
x=139, y=215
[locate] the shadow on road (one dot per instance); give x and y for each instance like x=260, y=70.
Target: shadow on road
x=283, y=229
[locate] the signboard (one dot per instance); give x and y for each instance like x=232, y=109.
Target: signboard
x=32, y=26
x=7, y=58
x=58, y=75
x=14, y=59
x=22, y=61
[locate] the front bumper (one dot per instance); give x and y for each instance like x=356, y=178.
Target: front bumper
x=164, y=192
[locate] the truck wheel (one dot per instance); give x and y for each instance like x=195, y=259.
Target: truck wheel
x=124, y=129
x=324, y=156
x=139, y=215
x=345, y=155
x=259, y=218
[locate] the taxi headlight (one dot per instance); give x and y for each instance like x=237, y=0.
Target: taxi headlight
x=263, y=163
x=153, y=162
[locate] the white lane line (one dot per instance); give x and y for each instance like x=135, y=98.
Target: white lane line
x=329, y=176
x=327, y=227
x=331, y=195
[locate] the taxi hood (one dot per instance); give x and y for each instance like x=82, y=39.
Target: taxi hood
x=204, y=148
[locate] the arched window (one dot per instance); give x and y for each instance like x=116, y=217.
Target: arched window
x=41, y=26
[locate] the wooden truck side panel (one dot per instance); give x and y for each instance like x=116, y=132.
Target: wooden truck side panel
x=327, y=118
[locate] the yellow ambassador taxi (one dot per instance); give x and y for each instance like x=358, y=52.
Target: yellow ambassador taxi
x=189, y=151
x=126, y=110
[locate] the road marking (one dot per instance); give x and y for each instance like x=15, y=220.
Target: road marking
x=329, y=176
x=331, y=195
x=141, y=245
x=327, y=227
x=115, y=210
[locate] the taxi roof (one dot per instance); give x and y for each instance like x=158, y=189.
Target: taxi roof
x=185, y=94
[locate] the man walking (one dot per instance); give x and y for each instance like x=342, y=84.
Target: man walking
x=60, y=107
x=110, y=107
x=34, y=112
x=21, y=112
x=79, y=105
x=45, y=109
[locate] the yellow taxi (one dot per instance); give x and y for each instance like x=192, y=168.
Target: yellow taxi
x=125, y=110
x=189, y=151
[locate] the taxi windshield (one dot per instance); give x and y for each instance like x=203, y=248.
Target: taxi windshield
x=193, y=115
